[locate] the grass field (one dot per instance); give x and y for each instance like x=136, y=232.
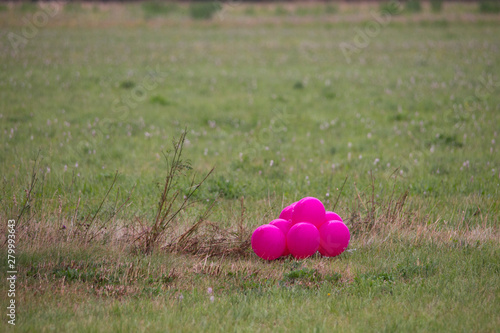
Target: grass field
x=391, y=121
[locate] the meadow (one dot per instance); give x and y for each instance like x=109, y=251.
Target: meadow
x=391, y=120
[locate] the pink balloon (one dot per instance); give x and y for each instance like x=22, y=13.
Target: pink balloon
x=268, y=242
x=331, y=216
x=310, y=210
x=284, y=226
x=334, y=238
x=303, y=240
x=286, y=213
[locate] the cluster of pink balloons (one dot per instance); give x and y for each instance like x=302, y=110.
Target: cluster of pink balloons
x=302, y=228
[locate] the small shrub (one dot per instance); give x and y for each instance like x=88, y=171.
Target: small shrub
x=298, y=85
x=157, y=8
x=204, y=10
x=413, y=6
x=437, y=5
x=3, y=8
x=127, y=84
x=157, y=99
x=489, y=7
x=174, y=198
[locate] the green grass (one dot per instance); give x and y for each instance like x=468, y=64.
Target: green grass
x=404, y=287
x=272, y=103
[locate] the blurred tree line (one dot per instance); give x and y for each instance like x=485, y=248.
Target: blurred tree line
x=249, y=1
